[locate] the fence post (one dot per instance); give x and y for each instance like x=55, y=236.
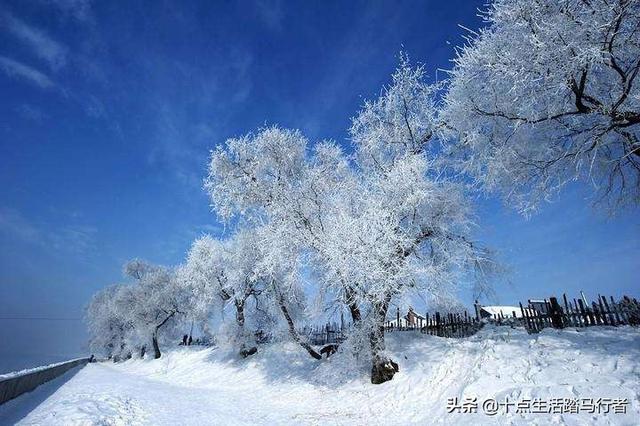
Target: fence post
x=612, y=317
x=555, y=313
x=476, y=307
x=567, y=310
x=583, y=312
x=619, y=314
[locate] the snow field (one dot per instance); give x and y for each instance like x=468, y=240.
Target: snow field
x=282, y=385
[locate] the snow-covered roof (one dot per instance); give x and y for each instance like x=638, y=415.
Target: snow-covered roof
x=506, y=311
x=394, y=323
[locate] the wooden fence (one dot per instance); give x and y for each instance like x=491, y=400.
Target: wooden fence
x=437, y=324
x=326, y=334
x=574, y=313
x=534, y=316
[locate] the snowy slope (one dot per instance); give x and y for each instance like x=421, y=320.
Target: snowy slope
x=281, y=385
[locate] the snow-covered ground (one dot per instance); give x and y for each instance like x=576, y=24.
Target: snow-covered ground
x=281, y=385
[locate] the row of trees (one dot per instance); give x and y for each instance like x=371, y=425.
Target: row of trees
x=367, y=228
x=543, y=95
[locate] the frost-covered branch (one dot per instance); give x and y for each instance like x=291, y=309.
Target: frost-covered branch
x=548, y=93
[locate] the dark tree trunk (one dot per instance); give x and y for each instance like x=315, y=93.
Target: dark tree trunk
x=294, y=334
x=240, y=312
x=244, y=350
x=156, y=347
x=154, y=336
x=143, y=350
x=353, y=306
x=382, y=369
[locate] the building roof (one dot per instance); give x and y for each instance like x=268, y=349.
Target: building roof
x=506, y=311
x=415, y=314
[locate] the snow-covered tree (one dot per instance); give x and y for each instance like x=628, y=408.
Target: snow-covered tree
x=261, y=181
x=245, y=284
x=124, y=318
x=224, y=272
x=406, y=226
x=137, y=268
x=374, y=228
x=203, y=279
x=111, y=324
x=548, y=93
x=106, y=332
x=158, y=303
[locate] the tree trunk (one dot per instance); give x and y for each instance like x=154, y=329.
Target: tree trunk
x=244, y=350
x=154, y=337
x=382, y=368
x=294, y=334
x=353, y=306
x=240, y=312
x=156, y=347
x=143, y=350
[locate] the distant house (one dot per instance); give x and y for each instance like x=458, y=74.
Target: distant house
x=538, y=305
x=411, y=319
x=499, y=311
x=414, y=319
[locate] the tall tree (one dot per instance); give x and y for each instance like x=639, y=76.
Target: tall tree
x=407, y=227
x=261, y=181
x=375, y=228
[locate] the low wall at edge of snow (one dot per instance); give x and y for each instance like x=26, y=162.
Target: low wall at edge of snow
x=14, y=386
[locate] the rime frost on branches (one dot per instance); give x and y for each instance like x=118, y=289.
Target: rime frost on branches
x=373, y=228
x=548, y=93
x=108, y=325
x=125, y=318
x=226, y=272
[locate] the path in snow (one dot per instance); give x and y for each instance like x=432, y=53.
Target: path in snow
x=280, y=385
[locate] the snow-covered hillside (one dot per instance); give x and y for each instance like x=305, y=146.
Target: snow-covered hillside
x=281, y=385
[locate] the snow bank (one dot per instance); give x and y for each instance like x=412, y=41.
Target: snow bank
x=281, y=385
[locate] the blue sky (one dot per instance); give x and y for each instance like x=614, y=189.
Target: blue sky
x=108, y=111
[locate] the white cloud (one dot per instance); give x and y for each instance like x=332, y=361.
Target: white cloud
x=42, y=45
x=19, y=70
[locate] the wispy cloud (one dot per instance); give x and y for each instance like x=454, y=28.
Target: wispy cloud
x=68, y=238
x=31, y=113
x=12, y=222
x=42, y=45
x=15, y=69
x=78, y=239
x=79, y=10
x=213, y=229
